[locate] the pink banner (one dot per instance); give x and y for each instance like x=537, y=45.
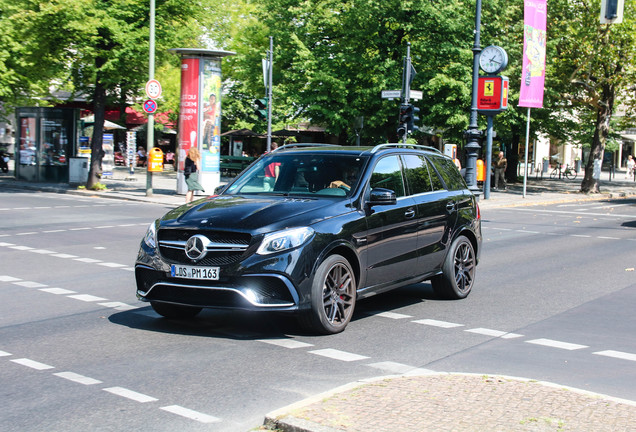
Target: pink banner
x=534, y=45
x=189, y=112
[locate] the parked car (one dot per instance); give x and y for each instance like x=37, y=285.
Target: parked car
x=312, y=229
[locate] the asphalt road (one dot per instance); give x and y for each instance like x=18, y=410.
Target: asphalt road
x=553, y=301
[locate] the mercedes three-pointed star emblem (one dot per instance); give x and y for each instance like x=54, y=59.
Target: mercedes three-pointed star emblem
x=196, y=247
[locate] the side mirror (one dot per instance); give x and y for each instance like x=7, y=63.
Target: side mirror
x=382, y=196
x=219, y=189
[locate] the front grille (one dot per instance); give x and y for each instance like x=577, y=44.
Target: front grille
x=172, y=246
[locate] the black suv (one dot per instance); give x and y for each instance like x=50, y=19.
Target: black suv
x=311, y=229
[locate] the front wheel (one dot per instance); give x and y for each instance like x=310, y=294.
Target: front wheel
x=553, y=175
x=458, y=271
x=571, y=174
x=173, y=311
x=333, y=297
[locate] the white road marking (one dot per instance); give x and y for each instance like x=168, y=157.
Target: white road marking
x=54, y=231
x=42, y=251
x=32, y=364
x=26, y=233
x=397, y=368
x=617, y=354
x=4, y=354
x=63, y=255
x=286, y=343
x=104, y=226
x=527, y=232
x=118, y=306
x=338, y=355
x=23, y=248
x=436, y=323
x=5, y=278
x=571, y=213
x=86, y=297
x=6, y=244
x=57, y=291
x=392, y=315
x=608, y=238
x=112, y=265
x=494, y=333
x=81, y=379
x=88, y=260
x=129, y=269
x=580, y=235
x=129, y=394
x=29, y=284
x=79, y=229
x=192, y=415
x=557, y=344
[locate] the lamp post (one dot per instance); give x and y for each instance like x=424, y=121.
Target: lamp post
x=473, y=133
x=150, y=126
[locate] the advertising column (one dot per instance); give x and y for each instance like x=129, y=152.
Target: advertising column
x=200, y=114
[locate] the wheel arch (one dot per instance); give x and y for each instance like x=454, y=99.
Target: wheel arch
x=348, y=253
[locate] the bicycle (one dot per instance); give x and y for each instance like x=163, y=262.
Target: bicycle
x=568, y=172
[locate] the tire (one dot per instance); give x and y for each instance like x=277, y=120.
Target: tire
x=553, y=175
x=173, y=311
x=571, y=175
x=333, y=297
x=458, y=271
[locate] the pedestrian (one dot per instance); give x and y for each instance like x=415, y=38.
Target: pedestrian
x=500, y=170
x=631, y=164
x=192, y=162
x=271, y=172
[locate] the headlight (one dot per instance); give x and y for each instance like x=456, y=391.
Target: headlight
x=151, y=236
x=283, y=240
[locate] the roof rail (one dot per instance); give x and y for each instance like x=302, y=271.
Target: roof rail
x=301, y=145
x=401, y=145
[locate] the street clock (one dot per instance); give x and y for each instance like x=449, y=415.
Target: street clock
x=493, y=59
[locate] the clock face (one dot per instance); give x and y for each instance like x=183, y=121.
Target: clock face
x=493, y=59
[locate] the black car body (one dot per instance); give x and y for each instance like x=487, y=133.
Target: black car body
x=312, y=229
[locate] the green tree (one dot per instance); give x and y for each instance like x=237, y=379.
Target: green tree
x=594, y=68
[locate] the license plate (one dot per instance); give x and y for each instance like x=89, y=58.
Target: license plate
x=190, y=272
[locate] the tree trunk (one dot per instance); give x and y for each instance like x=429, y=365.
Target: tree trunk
x=590, y=183
x=97, y=153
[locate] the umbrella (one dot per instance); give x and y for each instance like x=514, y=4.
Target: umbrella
x=107, y=124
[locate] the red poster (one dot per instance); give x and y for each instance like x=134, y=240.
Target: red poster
x=189, y=113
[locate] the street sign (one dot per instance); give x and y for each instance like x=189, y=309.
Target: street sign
x=492, y=94
x=150, y=106
x=153, y=89
x=416, y=94
x=391, y=94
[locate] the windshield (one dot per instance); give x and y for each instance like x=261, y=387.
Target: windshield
x=324, y=174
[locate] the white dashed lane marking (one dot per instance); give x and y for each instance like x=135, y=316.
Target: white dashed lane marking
x=557, y=344
x=617, y=354
x=286, y=343
x=494, y=333
x=32, y=364
x=58, y=291
x=80, y=379
x=392, y=315
x=87, y=297
x=4, y=354
x=129, y=394
x=397, y=368
x=29, y=284
x=436, y=323
x=338, y=355
x=190, y=414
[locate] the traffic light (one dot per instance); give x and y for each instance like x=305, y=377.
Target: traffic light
x=260, y=108
x=408, y=117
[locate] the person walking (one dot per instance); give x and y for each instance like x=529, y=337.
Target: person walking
x=500, y=170
x=192, y=162
x=631, y=164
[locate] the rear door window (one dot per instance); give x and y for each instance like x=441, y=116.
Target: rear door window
x=449, y=173
x=417, y=174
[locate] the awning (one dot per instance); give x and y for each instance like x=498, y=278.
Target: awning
x=628, y=137
x=107, y=124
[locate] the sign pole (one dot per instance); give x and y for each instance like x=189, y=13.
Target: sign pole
x=525, y=169
x=150, y=126
x=489, y=119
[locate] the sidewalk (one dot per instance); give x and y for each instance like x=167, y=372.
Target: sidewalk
x=433, y=401
x=538, y=191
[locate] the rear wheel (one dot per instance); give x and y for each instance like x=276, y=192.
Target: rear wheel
x=174, y=311
x=333, y=297
x=458, y=271
x=570, y=174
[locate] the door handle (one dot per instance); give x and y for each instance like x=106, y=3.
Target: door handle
x=410, y=213
x=450, y=206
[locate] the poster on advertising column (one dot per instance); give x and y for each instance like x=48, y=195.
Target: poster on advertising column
x=189, y=111
x=211, y=115
x=534, y=51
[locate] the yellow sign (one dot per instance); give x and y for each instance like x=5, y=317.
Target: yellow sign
x=489, y=88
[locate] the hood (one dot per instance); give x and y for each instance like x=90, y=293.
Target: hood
x=252, y=213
